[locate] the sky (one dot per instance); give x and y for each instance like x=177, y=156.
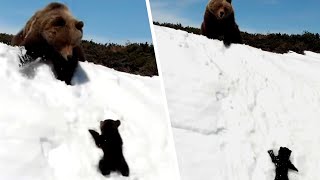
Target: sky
x=254, y=16
x=106, y=21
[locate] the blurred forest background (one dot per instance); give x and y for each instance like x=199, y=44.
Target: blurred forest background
x=273, y=42
x=134, y=58
x=139, y=58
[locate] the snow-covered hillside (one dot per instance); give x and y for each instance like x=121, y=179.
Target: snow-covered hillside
x=44, y=123
x=228, y=106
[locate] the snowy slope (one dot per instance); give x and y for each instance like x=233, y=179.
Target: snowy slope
x=44, y=123
x=228, y=106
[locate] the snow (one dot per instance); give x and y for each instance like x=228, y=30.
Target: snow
x=229, y=106
x=44, y=123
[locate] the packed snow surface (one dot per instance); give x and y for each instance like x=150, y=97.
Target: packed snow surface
x=229, y=106
x=44, y=123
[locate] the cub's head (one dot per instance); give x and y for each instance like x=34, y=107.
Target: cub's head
x=109, y=126
x=221, y=9
x=60, y=29
x=284, y=153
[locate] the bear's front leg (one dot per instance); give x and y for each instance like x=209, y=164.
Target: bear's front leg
x=232, y=35
x=59, y=67
x=96, y=137
x=64, y=69
x=70, y=65
x=273, y=157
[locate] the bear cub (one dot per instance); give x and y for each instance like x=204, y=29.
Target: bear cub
x=219, y=21
x=54, y=35
x=111, y=144
x=282, y=163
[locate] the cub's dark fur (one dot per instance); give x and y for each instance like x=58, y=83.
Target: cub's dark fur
x=111, y=143
x=282, y=163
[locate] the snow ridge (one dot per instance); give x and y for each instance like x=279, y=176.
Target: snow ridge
x=45, y=123
x=229, y=106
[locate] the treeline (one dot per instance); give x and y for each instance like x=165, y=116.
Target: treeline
x=273, y=42
x=134, y=58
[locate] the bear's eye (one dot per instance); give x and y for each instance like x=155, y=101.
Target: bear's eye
x=229, y=1
x=226, y=10
x=59, y=21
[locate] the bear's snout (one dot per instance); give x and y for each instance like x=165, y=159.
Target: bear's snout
x=66, y=52
x=221, y=14
x=69, y=57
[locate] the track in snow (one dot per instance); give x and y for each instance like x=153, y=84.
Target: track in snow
x=228, y=106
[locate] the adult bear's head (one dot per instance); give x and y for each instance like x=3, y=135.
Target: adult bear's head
x=221, y=9
x=56, y=25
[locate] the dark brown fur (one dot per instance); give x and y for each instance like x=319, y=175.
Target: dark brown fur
x=219, y=21
x=55, y=35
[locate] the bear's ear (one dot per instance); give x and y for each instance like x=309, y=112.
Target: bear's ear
x=229, y=1
x=117, y=123
x=79, y=25
x=55, y=5
x=59, y=21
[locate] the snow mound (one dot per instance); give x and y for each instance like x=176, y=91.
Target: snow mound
x=229, y=106
x=44, y=123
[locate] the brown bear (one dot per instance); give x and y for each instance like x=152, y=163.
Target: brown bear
x=111, y=143
x=219, y=21
x=54, y=35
